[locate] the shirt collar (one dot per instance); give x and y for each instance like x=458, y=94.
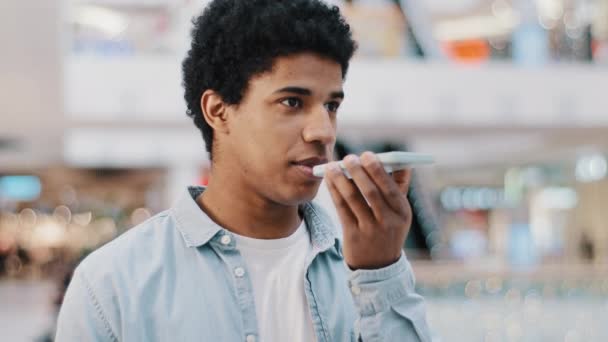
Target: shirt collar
x=323, y=234
x=197, y=228
x=192, y=222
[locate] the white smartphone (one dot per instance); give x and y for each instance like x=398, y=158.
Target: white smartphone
x=391, y=161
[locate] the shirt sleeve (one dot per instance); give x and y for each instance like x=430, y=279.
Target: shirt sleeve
x=81, y=317
x=388, y=307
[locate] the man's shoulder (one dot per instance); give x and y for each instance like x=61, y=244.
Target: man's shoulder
x=133, y=250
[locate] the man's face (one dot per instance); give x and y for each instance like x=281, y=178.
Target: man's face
x=285, y=124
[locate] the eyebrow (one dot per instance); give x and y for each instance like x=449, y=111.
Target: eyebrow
x=307, y=92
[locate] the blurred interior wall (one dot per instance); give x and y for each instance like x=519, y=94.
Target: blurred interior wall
x=31, y=87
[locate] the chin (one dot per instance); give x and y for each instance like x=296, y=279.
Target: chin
x=301, y=194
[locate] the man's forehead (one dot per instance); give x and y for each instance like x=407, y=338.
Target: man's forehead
x=304, y=71
x=305, y=64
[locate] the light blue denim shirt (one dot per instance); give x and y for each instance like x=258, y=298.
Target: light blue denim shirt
x=179, y=276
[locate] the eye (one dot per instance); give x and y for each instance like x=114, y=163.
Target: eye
x=332, y=106
x=292, y=102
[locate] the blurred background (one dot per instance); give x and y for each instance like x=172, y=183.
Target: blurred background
x=510, y=236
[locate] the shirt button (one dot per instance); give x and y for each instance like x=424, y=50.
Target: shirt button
x=239, y=272
x=225, y=240
x=250, y=338
x=356, y=290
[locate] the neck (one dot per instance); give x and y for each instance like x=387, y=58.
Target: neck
x=236, y=206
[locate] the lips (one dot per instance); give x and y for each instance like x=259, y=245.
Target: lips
x=304, y=166
x=311, y=162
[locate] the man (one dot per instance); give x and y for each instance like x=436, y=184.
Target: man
x=249, y=258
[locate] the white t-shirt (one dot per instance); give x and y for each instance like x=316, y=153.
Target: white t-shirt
x=276, y=269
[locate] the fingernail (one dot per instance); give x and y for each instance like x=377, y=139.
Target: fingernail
x=369, y=156
x=333, y=167
x=351, y=159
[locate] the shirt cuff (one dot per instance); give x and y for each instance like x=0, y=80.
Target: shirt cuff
x=375, y=291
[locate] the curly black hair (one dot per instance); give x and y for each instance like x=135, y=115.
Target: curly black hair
x=234, y=40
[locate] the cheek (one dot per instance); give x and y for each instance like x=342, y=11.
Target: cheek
x=277, y=133
x=249, y=130
x=262, y=144
x=266, y=135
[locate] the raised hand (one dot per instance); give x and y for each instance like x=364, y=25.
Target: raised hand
x=373, y=208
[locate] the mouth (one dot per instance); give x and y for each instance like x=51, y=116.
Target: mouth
x=305, y=165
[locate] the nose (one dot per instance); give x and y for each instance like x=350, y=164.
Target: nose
x=320, y=128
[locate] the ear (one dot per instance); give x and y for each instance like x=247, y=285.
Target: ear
x=215, y=111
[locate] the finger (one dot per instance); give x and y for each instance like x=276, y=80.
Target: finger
x=388, y=187
x=403, y=179
x=346, y=215
x=351, y=194
x=366, y=187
